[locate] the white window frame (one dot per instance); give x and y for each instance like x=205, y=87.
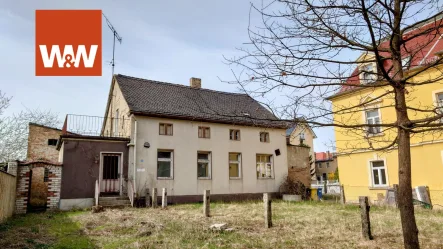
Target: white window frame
x=406, y=62
x=365, y=116
x=436, y=102
x=271, y=159
x=166, y=160
x=373, y=76
x=208, y=161
x=239, y=160
x=371, y=174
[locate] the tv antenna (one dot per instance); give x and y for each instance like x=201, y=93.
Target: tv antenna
x=116, y=36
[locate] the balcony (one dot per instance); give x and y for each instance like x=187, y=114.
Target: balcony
x=93, y=126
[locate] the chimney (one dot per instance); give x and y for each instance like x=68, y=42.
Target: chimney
x=195, y=82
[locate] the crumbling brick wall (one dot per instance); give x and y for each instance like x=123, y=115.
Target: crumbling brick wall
x=299, y=168
x=24, y=179
x=38, y=147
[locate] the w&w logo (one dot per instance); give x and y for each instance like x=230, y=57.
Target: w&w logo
x=68, y=43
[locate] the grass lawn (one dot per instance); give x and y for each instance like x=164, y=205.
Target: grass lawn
x=296, y=225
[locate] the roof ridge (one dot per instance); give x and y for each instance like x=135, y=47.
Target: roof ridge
x=180, y=85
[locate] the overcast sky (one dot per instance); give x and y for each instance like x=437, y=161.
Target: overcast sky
x=162, y=40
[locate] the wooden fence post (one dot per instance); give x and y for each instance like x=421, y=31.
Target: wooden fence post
x=342, y=195
x=396, y=195
x=154, y=197
x=147, y=198
x=164, y=198
x=268, y=211
x=365, y=222
x=206, y=203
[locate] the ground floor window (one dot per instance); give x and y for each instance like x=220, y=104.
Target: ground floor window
x=165, y=164
x=378, y=170
x=234, y=165
x=204, y=165
x=264, y=166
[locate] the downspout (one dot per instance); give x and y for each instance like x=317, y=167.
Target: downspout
x=135, y=155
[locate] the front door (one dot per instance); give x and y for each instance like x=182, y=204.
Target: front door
x=110, y=173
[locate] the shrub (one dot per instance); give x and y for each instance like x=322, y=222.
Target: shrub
x=291, y=187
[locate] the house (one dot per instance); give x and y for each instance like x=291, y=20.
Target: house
x=371, y=173
x=185, y=139
x=302, y=135
x=325, y=166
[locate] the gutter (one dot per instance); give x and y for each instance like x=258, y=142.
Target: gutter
x=135, y=154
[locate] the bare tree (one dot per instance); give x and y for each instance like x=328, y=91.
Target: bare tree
x=303, y=52
x=14, y=129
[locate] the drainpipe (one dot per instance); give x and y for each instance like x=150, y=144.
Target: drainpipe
x=135, y=155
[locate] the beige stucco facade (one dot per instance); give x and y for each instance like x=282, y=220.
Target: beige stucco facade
x=294, y=138
x=116, y=106
x=185, y=144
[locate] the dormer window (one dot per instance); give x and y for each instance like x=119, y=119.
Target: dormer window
x=406, y=62
x=368, y=73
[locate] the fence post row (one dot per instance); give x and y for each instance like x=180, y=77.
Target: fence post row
x=342, y=195
x=268, y=212
x=365, y=221
x=164, y=198
x=206, y=203
x=154, y=197
x=147, y=198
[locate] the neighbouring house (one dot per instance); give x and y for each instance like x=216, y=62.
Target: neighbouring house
x=325, y=166
x=42, y=141
x=371, y=173
x=185, y=139
x=302, y=135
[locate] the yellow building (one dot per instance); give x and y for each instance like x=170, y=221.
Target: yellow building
x=366, y=172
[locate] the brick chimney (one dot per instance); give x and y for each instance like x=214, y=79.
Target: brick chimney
x=195, y=82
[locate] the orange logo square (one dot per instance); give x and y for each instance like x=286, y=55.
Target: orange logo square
x=68, y=42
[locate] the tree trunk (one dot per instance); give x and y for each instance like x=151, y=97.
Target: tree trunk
x=405, y=204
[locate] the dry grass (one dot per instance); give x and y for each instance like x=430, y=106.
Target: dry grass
x=301, y=225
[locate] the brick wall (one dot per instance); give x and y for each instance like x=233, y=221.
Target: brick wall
x=23, y=184
x=298, y=164
x=38, y=147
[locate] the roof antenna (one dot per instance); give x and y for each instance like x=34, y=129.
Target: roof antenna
x=116, y=35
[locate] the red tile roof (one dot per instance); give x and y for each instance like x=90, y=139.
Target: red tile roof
x=423, y=49
x=324, y=156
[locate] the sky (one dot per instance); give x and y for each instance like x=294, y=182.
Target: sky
x=169, y=41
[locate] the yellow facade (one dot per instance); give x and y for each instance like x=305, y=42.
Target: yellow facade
x=353, y=145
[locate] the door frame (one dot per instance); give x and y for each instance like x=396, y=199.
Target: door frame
x=100, y=176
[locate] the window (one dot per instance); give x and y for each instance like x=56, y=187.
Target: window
x=234, y=135
x=46, y=175
x=327, y=165
x=204, y=165
x=373, y=117
x=439, y=98
x=234, y=165
x=378, y=173
x=165, y=129
x=165, y=164
x=319, y=165
x=264, y=137
x=406, y=62
x=264, y=166
x=368, y=74
x=204, y=132
x=52, y=142
x=116, y=123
